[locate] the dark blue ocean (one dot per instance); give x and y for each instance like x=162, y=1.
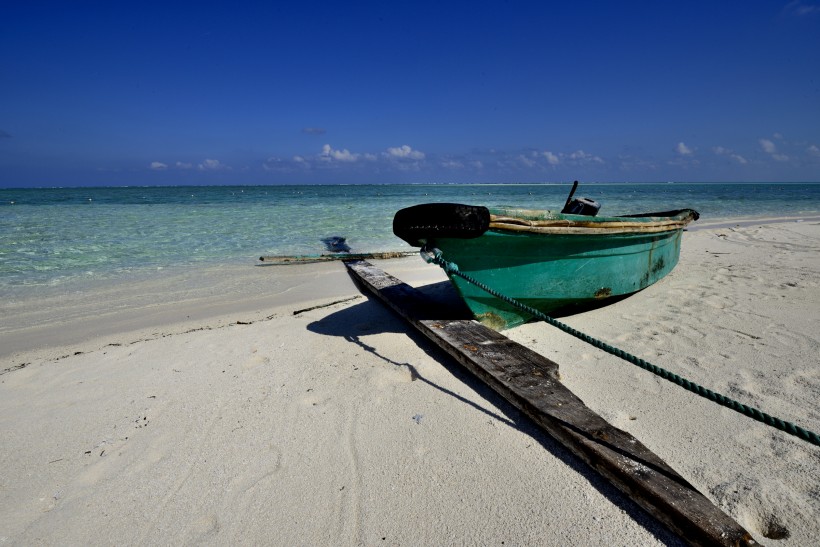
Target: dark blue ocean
x=57, y=236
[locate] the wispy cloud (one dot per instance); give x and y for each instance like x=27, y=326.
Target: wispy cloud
x=721, y=151
x=526, y=161
x=801, y=8
x=212, y=165
x=770, y=148
x=634, y=164
x=552, y=159
x=330, y=154
x=683, y=150
x=404, y=152
x=275, y=164
x=684, y=157
x=314, y=130
x=579, y=157
x=452, y=164
x=206, y=165
x=336, y=158
x=520, y=164
x=405, y=158
x=767, y=146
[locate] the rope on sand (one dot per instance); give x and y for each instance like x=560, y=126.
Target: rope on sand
x=435, y=256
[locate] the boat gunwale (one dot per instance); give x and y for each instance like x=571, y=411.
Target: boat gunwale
x=556, y=223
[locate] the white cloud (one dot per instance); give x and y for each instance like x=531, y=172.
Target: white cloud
x=814, y=150
x=631, y=163
x=580, y=156
x=158, y=166
x=552, y=159
x=526, y=161
x=767, y=146
x=331, y=154
x=801, y=9
x=683, y=150
x=770, y=148
x=284, y=165
x=273, y=164
x=721, y=151
x=183, y=165
x=405, y=152
x=404, y=157
x=212, y=165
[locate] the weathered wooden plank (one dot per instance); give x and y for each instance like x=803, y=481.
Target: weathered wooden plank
x=530, y=382
x=307, y=259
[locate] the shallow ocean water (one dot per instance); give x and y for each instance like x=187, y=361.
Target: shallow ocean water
x=62, y=237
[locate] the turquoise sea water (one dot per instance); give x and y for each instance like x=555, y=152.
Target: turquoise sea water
x=60, y=236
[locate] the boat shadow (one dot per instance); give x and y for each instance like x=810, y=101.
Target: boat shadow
x=371, y=317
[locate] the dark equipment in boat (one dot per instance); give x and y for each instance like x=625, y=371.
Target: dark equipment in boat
x=580, y=206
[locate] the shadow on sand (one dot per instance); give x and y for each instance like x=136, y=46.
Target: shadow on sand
x=348, y=323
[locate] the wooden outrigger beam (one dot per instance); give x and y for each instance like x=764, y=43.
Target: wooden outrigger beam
x=308, y=259
x=530, y=382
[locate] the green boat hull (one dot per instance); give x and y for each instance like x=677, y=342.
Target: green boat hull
x=553, y=271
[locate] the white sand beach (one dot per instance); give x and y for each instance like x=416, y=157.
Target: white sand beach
x=279, y=405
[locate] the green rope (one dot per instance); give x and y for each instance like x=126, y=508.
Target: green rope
x=434, y=256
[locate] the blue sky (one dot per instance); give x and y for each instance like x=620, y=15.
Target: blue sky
x=377, y=92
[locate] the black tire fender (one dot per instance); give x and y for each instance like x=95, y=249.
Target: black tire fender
x=431, y=220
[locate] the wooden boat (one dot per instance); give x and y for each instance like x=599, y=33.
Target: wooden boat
x=545, y=259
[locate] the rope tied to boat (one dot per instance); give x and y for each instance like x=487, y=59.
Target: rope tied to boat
x=434, y=256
